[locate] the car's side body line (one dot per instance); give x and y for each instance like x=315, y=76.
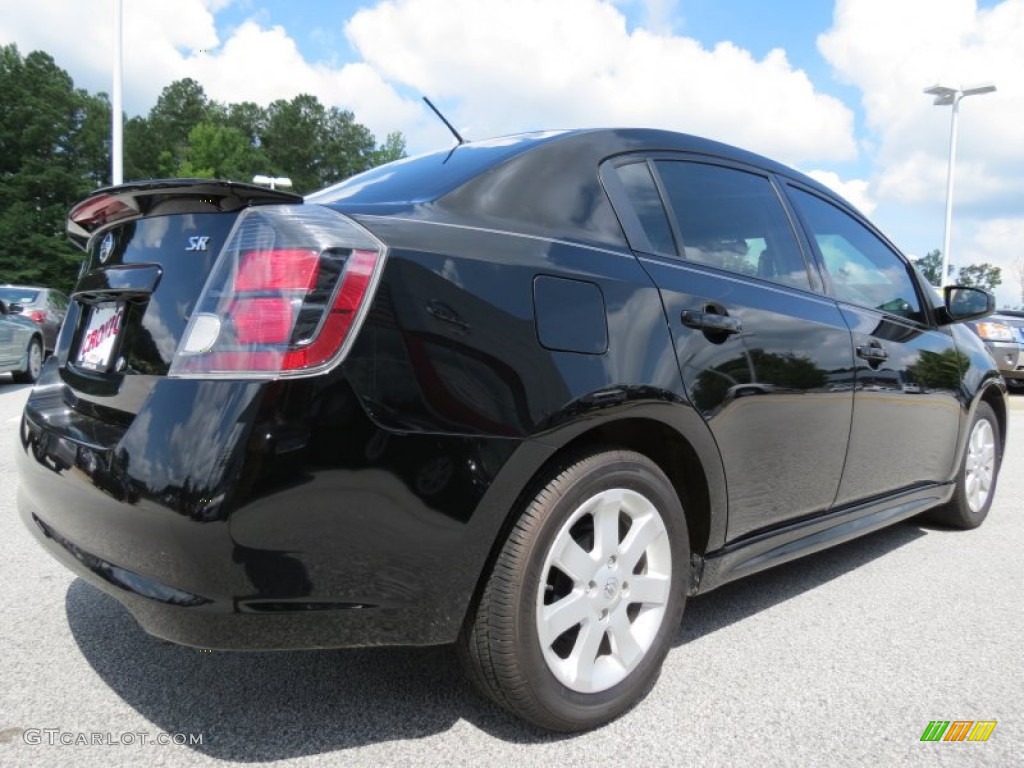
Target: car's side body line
x=368, y=218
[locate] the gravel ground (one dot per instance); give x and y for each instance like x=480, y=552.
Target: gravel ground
x=841, y=658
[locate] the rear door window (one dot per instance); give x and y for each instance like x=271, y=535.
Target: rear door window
x=732, y=219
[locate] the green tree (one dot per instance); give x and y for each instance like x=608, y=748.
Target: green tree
x=931, y=267
x=219, y=152
x=141, y=150
x=983, y=275
x=55, y=149
x=393, y=148
x=181, y=106
x=44, y=158
x=248, y=118
x=314, y=145
x=93, y=145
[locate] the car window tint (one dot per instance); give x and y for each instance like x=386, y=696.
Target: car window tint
x=732, y=219
x=863, y=269
x=643, y=193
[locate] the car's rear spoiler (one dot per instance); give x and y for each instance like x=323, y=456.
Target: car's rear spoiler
x=162, y=196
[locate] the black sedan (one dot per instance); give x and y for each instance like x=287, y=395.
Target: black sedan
x=526, y=396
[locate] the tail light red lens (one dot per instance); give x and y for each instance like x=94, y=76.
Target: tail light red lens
x=36, y=315
x=285, y=298
x=262, y=321
x=355, y=285
x=277, y=270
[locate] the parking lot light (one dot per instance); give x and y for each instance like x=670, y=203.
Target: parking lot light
x=272, y=181
x=946, y=96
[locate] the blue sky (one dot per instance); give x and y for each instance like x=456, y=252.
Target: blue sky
x=832, y=87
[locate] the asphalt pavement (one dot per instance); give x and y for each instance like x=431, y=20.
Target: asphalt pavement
x=839, y=659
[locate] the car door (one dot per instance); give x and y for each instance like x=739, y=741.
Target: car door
x=766, y=360
x=906, y=406
x=9, y=339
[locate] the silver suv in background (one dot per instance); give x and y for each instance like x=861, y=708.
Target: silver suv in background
x=1003, y=334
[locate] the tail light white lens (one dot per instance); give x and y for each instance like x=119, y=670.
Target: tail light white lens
x=285, y=298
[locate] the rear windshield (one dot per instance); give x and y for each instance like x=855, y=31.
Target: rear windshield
x=426, y=177
x=18, y=295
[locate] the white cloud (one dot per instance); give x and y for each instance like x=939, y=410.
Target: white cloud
x=855, y=191
x=999, y=242
x=508, y=65
x=261, y=65
x=497, y=66
x=891, y=51
x=159, y=36
x=661, y=16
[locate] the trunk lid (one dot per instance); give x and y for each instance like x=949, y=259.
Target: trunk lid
x=150, y=248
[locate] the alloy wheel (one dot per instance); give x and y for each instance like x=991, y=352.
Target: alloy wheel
x=980, y=465
x=604, y=590
x=35, y=360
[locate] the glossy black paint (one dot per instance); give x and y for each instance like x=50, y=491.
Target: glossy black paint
x=517, y=321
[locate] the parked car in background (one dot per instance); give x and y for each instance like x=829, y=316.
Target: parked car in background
x=21, y=344
x=45, y=307
x=1003, y=334
x=525, y=395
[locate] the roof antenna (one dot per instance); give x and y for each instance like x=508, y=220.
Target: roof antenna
x=445, y=121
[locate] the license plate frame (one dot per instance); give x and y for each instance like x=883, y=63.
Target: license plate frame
x=100, y=336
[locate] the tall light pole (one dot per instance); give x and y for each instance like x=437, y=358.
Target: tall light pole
x=945, y=96
x=116, y=142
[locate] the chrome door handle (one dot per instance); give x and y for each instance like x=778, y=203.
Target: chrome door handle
x=711, y=321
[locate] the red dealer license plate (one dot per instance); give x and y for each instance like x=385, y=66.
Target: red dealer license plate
x=100, y=336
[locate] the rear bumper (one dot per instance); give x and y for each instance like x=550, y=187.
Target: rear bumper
x=250, y=529
x=181, y=617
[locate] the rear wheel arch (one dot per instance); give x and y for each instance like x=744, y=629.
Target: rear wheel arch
x=673, y=454
x=695, y=473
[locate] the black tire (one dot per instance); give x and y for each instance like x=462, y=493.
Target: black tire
x=977, y=475
x=502, y=646
x=33, y=363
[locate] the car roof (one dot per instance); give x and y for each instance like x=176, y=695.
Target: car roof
x=430, y=175
x=544, y=181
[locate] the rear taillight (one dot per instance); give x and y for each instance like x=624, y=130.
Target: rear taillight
x=36, y=315
x=285, y=297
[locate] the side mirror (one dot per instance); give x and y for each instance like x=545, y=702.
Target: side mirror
x=967, y=303
x=3, y=308
x=15, y=309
